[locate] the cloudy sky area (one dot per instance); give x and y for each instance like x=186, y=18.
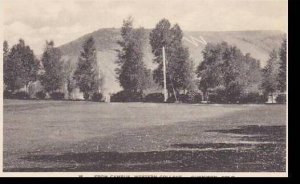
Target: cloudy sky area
x=65, y=20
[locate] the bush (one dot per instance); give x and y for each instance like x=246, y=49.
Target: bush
x=182, y=98
x=126, y=96
x=281, y=98
x=217, y=97
x=40, y=95
x=86, y=96
x=252, y=98
x=232, y=94
x=8, y=94
x=22, y=95
x=97, y=97
x=192, y=97
x=154, y=97
x=115, y=97
x=57, y=95
x=171, y=99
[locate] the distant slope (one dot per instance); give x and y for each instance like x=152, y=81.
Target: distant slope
x=257, y=43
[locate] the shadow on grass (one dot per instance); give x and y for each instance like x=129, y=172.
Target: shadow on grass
x=261, y=133
x=263, y=157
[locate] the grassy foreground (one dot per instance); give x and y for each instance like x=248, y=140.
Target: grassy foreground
x=87, y=136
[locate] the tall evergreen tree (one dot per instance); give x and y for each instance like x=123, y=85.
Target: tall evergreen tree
x=181, y=66
x=87, y=72
x=252, y=74
x=132, y=72
x=68, y=72
x=282, y=67
x=52, y=78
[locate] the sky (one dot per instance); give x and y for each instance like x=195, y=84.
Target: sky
x=65, y=20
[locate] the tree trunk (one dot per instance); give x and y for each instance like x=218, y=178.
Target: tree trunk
x=26, y=88
x=204, y=96
x=69, y=95
x=174, y=92
x=86, y=95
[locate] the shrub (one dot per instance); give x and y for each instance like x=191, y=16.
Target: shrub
x=252, y=98
x=8, y=94
x=115, y=97
x=97, y=97
x=171, y=99
x=154, y=97
x=86, y=96
x=232, y=94
x=192, y=97
x=22, y=95
x=126, y=96
x=189, y=97
x=135, y=97
x=40, y=95
x=198, y=98
x=281, y=98
x=182, y=98
x=57, y=95
x=217, y=97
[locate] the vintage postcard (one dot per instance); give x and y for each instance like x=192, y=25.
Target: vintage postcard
x=144, y=88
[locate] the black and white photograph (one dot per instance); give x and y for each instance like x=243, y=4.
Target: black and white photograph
x=153, y=88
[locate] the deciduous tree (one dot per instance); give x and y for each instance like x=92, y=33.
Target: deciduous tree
x=20, y=66
x=179, y=65
x=225, y=69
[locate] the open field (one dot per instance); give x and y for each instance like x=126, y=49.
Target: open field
x=87, y=136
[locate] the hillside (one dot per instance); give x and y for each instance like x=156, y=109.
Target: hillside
x=257, y=43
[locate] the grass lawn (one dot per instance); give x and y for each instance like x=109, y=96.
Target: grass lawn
x=89, y=136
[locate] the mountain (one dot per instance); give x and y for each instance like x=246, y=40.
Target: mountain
x=258, y=43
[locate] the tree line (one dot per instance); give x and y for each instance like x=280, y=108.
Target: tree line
x=225, y=75
x=21, y=67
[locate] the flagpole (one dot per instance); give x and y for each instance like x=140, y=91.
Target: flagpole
x=165, y=75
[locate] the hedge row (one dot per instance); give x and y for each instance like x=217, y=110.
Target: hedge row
x=39, y=95
x=18, y=95
x=97, y=97
x=192, y=97
x=125, y=96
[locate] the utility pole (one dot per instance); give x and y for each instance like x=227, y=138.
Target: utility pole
x=165, y=75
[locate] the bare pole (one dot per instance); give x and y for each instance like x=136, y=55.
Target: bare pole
x=165, y=75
